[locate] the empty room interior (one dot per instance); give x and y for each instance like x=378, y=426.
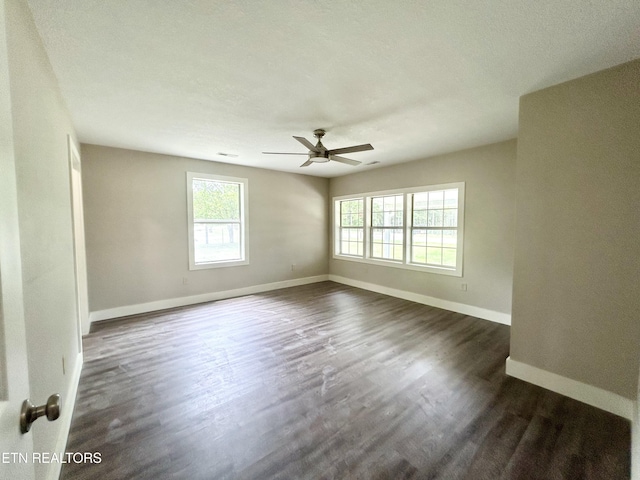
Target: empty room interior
x=319, y=239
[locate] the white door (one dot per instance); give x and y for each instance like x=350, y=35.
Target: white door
x=15, y=448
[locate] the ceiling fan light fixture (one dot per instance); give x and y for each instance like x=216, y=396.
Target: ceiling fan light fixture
x=318, y=157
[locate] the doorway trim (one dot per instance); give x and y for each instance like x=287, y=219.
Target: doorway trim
x=79, y=250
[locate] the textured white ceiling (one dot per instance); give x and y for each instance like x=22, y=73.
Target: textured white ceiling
x=413, y=78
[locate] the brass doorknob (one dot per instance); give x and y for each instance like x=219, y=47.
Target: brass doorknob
x=30, y=413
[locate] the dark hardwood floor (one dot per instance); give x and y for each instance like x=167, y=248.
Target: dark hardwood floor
x=325, y=382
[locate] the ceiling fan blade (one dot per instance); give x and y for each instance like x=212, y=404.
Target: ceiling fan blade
x=307, y=163
x=348, y=161
x=355, y=148
x=281, y=153
x=306, y=143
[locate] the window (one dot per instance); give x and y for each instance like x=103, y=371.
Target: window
x=217, y=212
x=434, y=227
x=418, y=228
x=351, y=229
x=387, y=234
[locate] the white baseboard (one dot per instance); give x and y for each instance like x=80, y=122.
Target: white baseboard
x=66, y=413
x=635, y=442
x=483, y=313
x=594, y=396
x=193, y=299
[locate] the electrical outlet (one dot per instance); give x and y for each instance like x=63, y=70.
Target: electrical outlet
x=463, y=287
x=293, y=267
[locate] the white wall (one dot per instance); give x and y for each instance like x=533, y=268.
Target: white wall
x=40, y=126
x=576, y=302
x=136, y=228
x=489, y=173
x=14, y=371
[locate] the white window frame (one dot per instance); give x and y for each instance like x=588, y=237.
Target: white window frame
x=371, y=227
x=338, y=231
x=244, y=221
x=405, y=263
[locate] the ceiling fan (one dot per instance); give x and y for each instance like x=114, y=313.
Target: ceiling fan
x=319, y=154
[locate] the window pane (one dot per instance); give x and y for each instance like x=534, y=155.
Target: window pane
x=391, y=219
x=420, y=201
x=451, y=198
x=419, y=238
x=450, y=217
x=377, y=219
x=449, y=257
x=215, y=200
x=377, y=235
x=436, y=199
x=434, y=255
x=450, y=238
x=216, y=242
x=434, y=238
x=419, y=218
x=434, y=218
x=419, y=255
x=350, y=248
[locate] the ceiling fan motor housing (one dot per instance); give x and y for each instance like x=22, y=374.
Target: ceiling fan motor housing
x=320, y=155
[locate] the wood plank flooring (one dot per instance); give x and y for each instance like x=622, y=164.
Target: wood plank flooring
x=325, y=381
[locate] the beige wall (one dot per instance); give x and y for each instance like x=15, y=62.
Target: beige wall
x=136, y=227
x=40, y=128
x=489, y=173
x=576, y=302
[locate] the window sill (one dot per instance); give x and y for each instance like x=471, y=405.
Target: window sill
x=222, y=264
x=453, y=272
